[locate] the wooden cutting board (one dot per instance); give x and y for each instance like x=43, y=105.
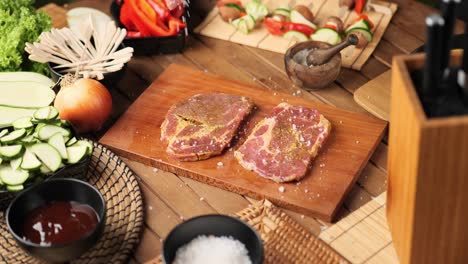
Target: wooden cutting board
x=213, y=26
x=374, y=96
x=136, y=135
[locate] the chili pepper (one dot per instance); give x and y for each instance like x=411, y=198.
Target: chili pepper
x=359, y=7
x=125, y=18
x=299, y=27
x=273, y=26
x=160, y=9
x=148, y=10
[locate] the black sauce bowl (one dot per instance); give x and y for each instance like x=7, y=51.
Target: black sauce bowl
x=56, y=190
x=216, y=225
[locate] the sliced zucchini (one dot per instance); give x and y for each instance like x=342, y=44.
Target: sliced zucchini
x=85, y=143
x=29, y=139
x=76, y=153
x=256, y=9
x=46, y=131
x=11, y=152
x=23, y=122
x=366, y=33
x=30, y=161
x=327, y=35
x=72, y=141
x=295, y=35
x=242, y=26
x=3, y=132
x=46, y=113
x=15, y=188
x=44, y=170
x=297, y=17
x=359, y=24
x=58, y=143
x=13, y=136
x=47, y=155
x=282, y=11
x=250, y=20
x=12, y=177
x=16, y=163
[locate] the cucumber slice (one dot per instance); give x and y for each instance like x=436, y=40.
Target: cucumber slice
x=29, y=139
x=3, y=132
x=44, y=170
x=46, y=131
x=14, y=135
x=72, y=141
x=10, y=114
x=297, y=17
x=47, y=155
x=23, y=122
x=76, y=153
x=282, y=11
x=327, y=35
x=16, y=163
x=1, y=160
x=25, y=94
x=12, y=177
x=46, y=113
x=11, y=152
x=30, y=161
x=366, y=33
x=58, y=143
x=250, y=21
x=85, y=143
x=242, y=26
x=295, y=35
x=256, y=9
x=15, y=188
x=26, y=77
x=359, y=24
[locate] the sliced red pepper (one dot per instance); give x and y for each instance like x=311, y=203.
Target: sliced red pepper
x=160, y=8
x=126, y=19
x=299, y=27
x=273, y=26
x=359, y=6
x=178, y=11
x=144, y=24
x=330, y=26
x=366, y=18
x=133, y=34
x=147, y=10
x=223, y=2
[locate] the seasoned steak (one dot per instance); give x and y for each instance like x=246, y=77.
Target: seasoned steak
x=282, y=145
x=203, y=125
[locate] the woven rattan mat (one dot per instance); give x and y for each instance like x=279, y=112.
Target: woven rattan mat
x=124, y=220
x=285, y=241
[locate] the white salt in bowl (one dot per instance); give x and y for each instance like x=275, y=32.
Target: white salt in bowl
x=229, y=228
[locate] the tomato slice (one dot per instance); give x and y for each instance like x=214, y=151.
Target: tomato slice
x=275, y=27
x=224, y=2
x=330, y=26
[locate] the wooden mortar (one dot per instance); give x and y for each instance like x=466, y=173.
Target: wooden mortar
x=314, y=77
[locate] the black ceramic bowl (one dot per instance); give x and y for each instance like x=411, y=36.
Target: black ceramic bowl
x=56, y=190
x=110, y=78
x=216, y=225
x=152, y=45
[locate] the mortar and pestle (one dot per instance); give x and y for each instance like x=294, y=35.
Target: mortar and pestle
x=314, y=65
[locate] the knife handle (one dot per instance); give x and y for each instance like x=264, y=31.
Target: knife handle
x=448, y=13
x=432, y=72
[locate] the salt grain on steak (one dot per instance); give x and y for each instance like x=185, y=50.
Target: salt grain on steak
x=288, y=151
x=203, y=125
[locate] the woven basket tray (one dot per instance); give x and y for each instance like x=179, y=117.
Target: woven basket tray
x=124, y=219
x=285, y=241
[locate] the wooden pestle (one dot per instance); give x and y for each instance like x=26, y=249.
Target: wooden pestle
x=322, y=56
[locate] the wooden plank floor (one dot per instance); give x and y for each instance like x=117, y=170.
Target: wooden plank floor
x=361, y=235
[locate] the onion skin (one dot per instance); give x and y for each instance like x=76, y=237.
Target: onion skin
x=85, y=103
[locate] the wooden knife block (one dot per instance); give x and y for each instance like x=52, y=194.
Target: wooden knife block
x=427, y=198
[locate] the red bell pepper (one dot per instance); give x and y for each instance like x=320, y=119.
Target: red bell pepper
x=299, y=27
x=273, y=26
x=147, y=10
x=125, y=18
x=160, y=8
x=178, y=11
x=359, y=6
x=133, y=34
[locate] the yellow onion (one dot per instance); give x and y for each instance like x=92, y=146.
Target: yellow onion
x=85, y=103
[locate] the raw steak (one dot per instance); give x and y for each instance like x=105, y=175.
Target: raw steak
x=282, y=145
x=203, y=125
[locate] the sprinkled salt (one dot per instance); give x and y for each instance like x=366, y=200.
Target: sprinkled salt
x=150, y=207
x=281, y=189
x=294, y=127
x=357, y=141
x=341, y=122
x=302, y=216
x=322, y=165
x=202, y=198
x=264, y=162
x=220, y=164
x=155, y=170
x=298, y=92
x=306, y=191
x=181, y=217
x=211, y=249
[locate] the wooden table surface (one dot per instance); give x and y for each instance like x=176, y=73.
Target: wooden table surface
x=361, y=235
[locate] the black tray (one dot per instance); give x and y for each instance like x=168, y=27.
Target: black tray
x=153, y=45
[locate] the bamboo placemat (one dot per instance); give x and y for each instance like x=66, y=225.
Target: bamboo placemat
x=213, y=26
x=124, y=216
x=285, y=241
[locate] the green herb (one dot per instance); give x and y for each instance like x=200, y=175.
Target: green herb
x=19, y=23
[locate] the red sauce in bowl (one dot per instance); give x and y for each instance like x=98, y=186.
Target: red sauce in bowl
x=59, y=222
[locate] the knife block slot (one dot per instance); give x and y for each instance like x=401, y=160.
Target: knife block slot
x=427, y=201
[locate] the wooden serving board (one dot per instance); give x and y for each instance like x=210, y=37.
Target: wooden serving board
x=374, y=96
x=136, y=135
x=213, y=26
